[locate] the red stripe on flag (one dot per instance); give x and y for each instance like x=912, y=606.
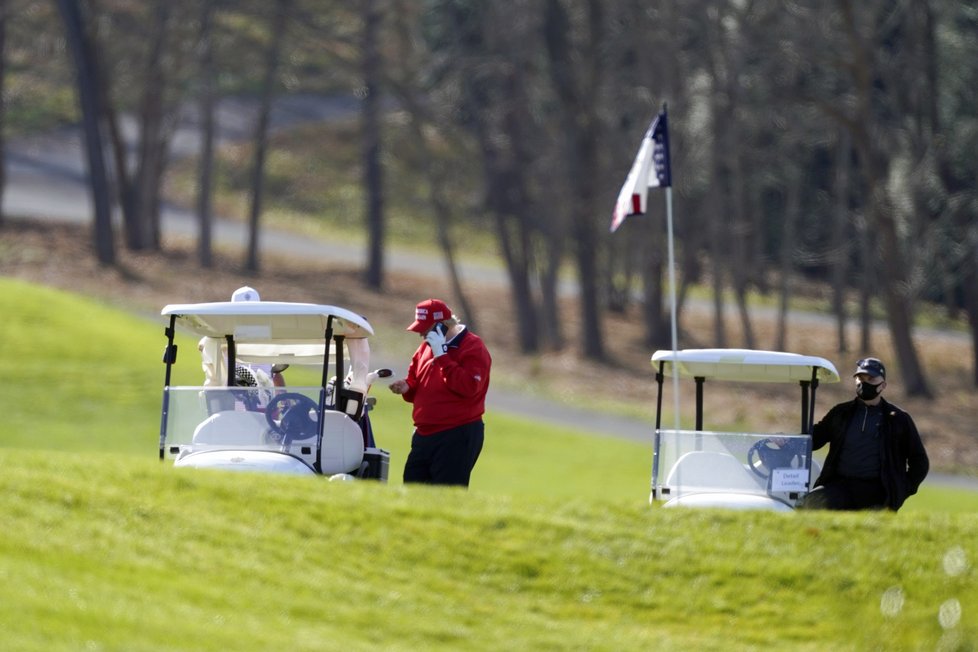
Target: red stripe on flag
x=636, y=204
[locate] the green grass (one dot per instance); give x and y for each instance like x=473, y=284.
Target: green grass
x=81, y=375
x=554, y=547
x=112, y=552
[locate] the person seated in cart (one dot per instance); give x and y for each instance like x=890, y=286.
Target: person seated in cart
x=213, y=354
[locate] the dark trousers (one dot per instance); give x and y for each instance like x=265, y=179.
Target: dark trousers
x=848, y=494
x=446, y=457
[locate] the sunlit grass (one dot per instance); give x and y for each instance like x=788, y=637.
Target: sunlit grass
x=104, y=551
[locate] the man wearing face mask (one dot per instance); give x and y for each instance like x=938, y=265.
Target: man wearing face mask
x=876, y=458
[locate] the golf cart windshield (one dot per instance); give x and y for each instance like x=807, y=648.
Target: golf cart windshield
x=734, y=469
x=201, y=419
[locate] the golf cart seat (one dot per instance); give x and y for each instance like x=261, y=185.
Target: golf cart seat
x=232, y=428
x=342, y=450
x=709, y=470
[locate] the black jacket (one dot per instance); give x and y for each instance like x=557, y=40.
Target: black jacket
x=903, y=460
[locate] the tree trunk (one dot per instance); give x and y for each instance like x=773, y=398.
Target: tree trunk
x=205, y=252
x=553, y=330
x=492, y=99
x=138, y=222
x=893, y=281
x=658, y=331
x=867, y=282
x=518, y=269
x=895, y=298
x=3, y=79
x=81, y=50
x=740, y=272
x=839, y=240
x=282, y=8
x=440, y=205
x=576, y=85
x=123, y=191
x=792, y=210
x=962, y=277
x=742, y=234
x=719, y=236
x=970, y=281
x=370, y=135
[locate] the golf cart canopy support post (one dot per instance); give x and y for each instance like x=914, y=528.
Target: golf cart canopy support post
x=232, y=357
x=327, y=338
x=169, y=357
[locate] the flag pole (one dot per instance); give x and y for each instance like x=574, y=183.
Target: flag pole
x=672, y=284
x=652, y=169
x=672, y=308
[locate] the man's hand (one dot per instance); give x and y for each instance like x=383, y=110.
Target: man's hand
x=399, y=386
x=436, y=340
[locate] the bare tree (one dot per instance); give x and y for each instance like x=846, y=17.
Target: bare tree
x=578, y=87
x=488, y=47
x=893, y=282
x=123, y=32
x=728, y=66
x=789, y=250
x=407, y=83
x=145, y=229
x=947, y=193
x=81, y=47
x=839, y=248
x=277, y=36
x=207, y=103
x=3, y=77
x=538, y=96
x=970, y=281
x=370, y=142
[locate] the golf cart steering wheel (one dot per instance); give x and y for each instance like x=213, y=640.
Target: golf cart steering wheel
x=298, y=416
x=772, y=453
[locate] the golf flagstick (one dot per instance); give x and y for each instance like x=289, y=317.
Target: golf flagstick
x=651, y=169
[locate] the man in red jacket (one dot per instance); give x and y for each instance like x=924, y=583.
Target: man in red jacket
x=447, y=382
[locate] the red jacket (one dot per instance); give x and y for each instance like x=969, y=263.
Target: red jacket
x=450, y=390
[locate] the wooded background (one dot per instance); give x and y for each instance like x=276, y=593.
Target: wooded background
x=829, y=142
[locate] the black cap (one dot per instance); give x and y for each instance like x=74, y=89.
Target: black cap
x=871, y=366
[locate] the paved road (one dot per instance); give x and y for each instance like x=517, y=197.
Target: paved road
x=46, y=179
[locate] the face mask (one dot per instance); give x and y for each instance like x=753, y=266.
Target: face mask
x=867, y=392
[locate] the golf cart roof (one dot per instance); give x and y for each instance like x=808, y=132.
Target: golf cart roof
x=745, y=365
x=268, y=322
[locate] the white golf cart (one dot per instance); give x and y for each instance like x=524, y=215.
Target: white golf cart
x=244, y=420
x=739, y=470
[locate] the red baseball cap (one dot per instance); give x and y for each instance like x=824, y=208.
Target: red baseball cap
x=427, y=313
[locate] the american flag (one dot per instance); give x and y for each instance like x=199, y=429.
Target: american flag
x=650, y=170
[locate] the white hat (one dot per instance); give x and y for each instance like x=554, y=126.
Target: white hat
x=245, y=293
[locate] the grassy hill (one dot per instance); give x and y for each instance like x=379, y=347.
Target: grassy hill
x=111, y=552
x=554, y=546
